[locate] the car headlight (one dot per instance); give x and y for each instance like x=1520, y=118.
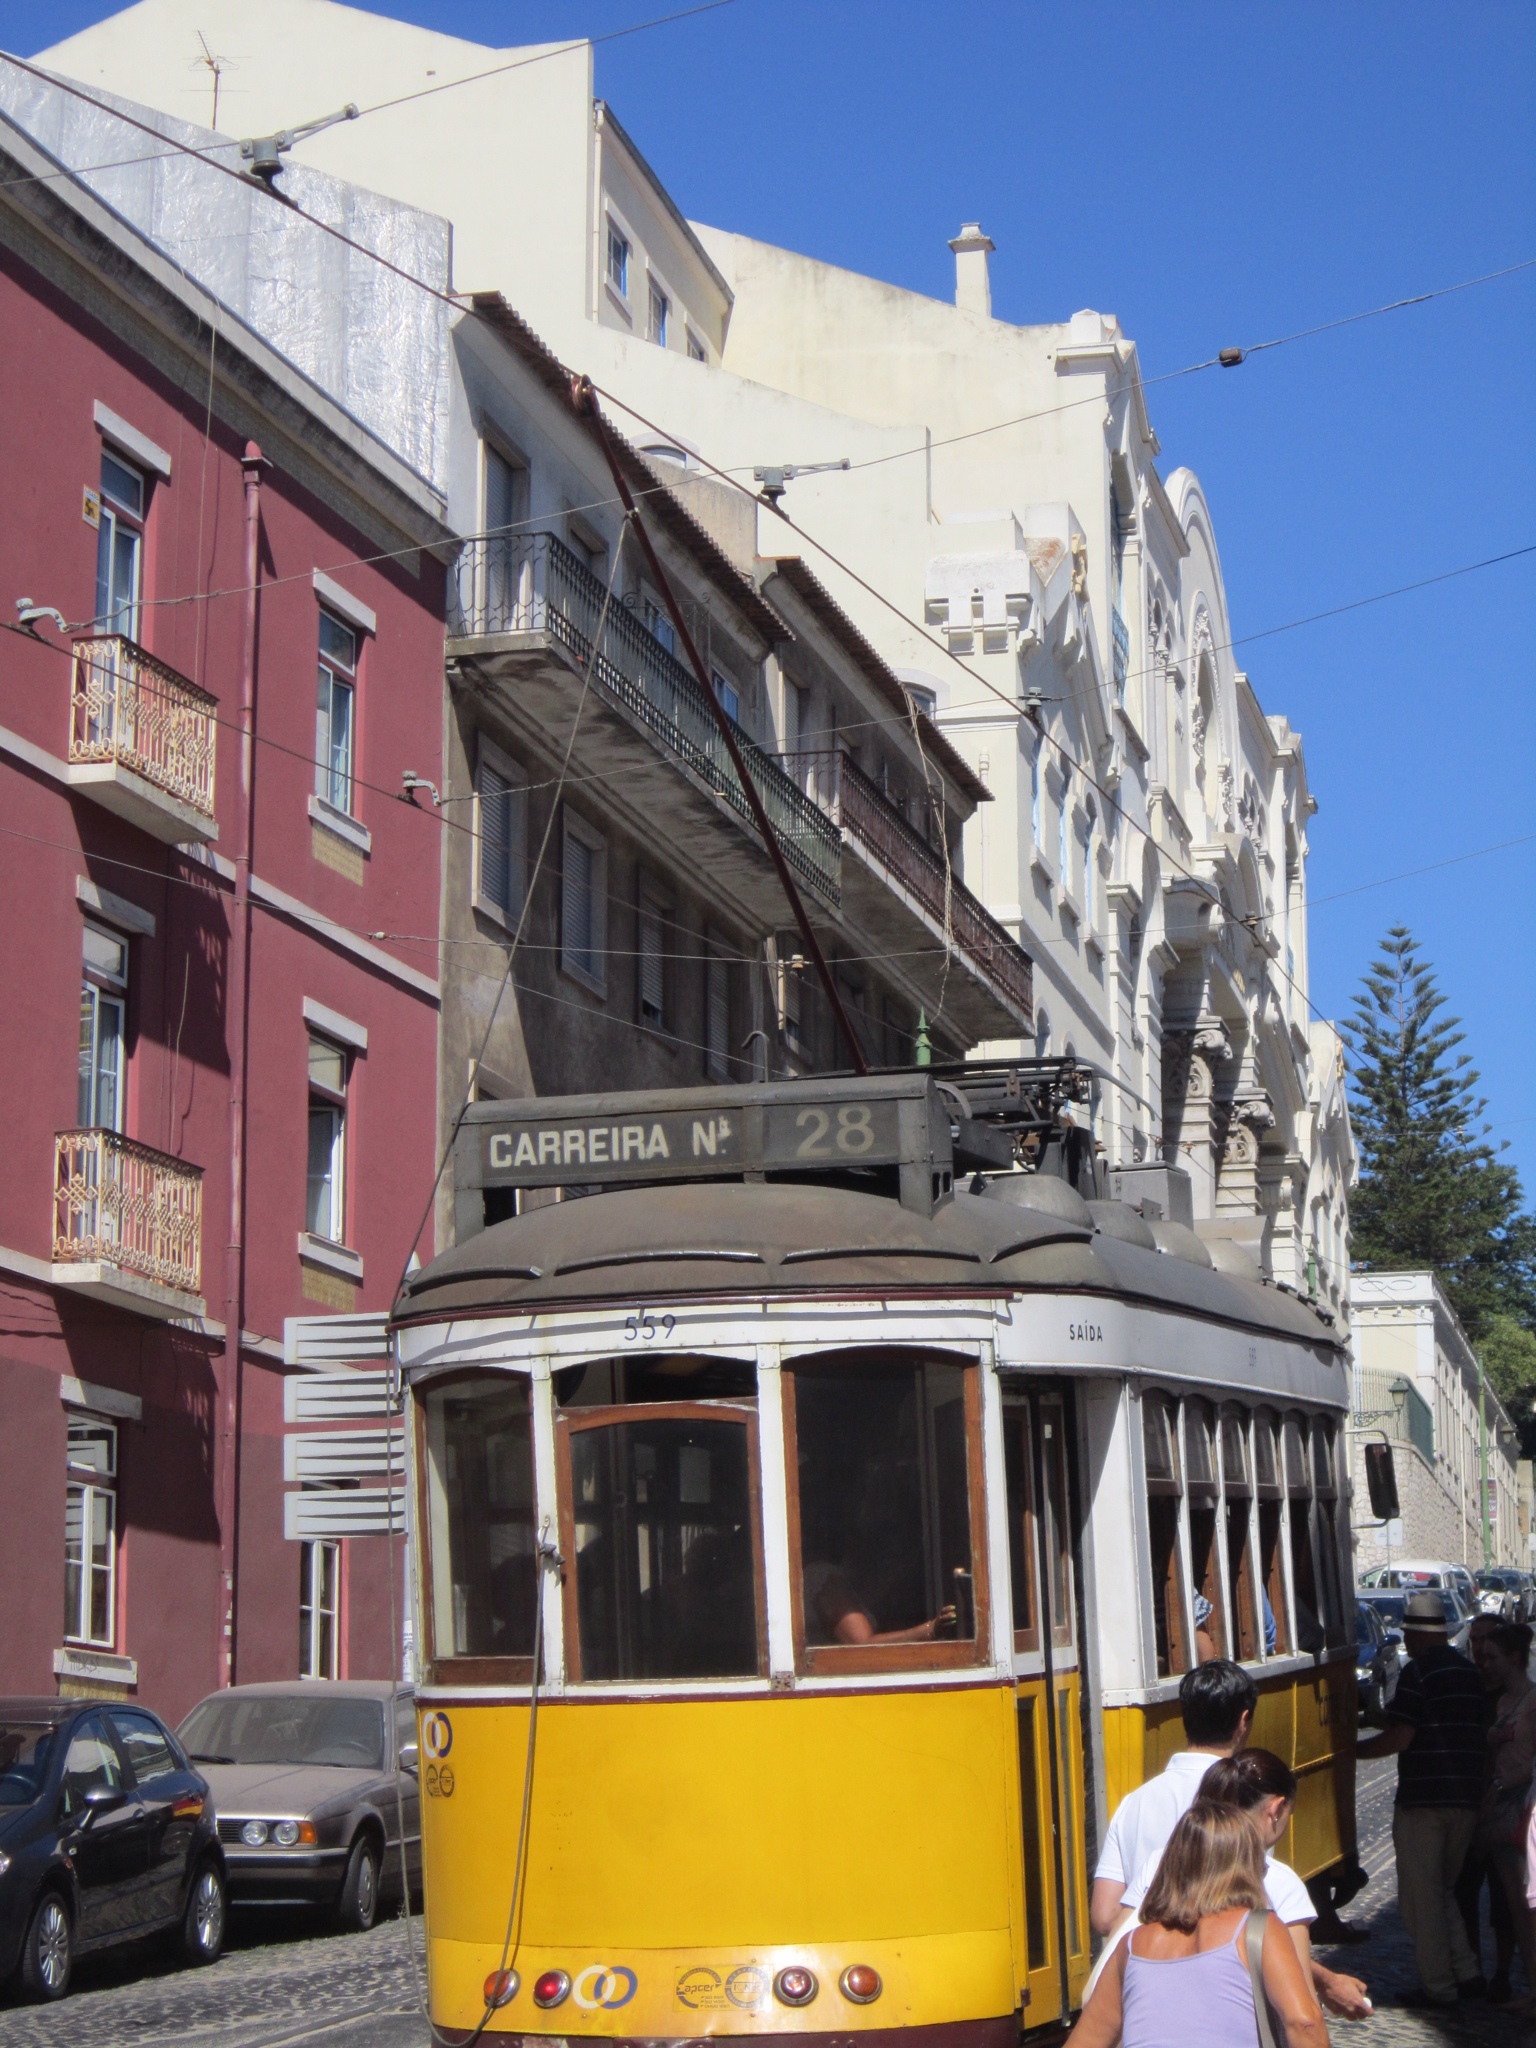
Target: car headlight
x=286, y=1832
x=254, y=1833
x=5, y=1863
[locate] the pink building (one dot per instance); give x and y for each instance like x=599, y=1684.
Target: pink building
x=217, y=955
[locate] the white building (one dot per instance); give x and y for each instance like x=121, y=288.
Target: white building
x=1417, y=1381
x=1055, y=600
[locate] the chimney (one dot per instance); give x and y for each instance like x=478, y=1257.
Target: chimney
x=973, y=286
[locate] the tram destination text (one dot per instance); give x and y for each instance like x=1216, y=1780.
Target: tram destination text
x=687, y=1144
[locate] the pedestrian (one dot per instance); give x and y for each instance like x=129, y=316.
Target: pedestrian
x=1216, y=1701
x=1501, y=1823
x=1207, y=1949
x=1435, y=1728
x=1478, y=1870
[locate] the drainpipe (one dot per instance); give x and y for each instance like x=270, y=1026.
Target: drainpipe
x=238, y=1023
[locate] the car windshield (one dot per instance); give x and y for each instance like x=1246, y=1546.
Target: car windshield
x=286, y=1728
x=26, y=1748
x=1388, y=1605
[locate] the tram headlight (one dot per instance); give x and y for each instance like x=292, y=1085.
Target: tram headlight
x=795, y=1986
x=860, y=1983
x=501, y=1988
x=553, y=1988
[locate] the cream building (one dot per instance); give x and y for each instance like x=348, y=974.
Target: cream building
x=1417, y=1382
x=1042, y=586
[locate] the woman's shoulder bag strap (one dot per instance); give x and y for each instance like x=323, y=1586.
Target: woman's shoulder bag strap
x=1253, y=1949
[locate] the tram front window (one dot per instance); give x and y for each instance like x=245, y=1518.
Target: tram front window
x=481, y=1530
x=881, y=1453
x=663, y=1536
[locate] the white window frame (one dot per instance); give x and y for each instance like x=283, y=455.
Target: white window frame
x=658, y=299
x=489, y=759
x=335, y=677
x=319, y=1650
x=322, y=1097
x=618, y=287
x=88, y=1485
x=698, y=350
x=727, y=694
x=101, y=992
x=119, y=520
x=576, y=830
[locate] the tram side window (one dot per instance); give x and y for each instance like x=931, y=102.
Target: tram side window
x=1326, y=1490
x=1271, y=1497
x=1204, y=1553
x=1160, y=1439
x=663, y=1537
x=1309, y=1627
x=480, y=1519
x=1019, y=1461
x=880, y=1449
x=1239, y=1513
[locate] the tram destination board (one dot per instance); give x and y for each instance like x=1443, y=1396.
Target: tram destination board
x=814, y=1127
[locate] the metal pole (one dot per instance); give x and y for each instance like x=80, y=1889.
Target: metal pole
x=584, y=402
x=1482, y=1460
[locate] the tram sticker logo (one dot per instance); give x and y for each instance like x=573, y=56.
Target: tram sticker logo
x=701, y=1989
x=438, y=1781
x=437, y=1735
x=605, y=1987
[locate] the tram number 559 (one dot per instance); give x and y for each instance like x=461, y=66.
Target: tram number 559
x=643, y=1326
x=852, y=1135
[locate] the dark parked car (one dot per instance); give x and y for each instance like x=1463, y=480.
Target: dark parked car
x=1390, y=1607
x=311, y=1778
x=106, y=1835
x=1376, y=1665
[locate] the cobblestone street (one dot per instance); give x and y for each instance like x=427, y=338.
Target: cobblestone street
x=282, y=1984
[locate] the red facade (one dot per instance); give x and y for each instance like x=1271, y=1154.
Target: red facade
x=121, y=950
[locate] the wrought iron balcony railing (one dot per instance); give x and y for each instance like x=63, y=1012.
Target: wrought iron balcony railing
x=119, y=1204
x=131, y=710
x=868, y=816
x=533, y=583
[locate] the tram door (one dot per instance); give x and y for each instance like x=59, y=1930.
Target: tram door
x=1047, y=1689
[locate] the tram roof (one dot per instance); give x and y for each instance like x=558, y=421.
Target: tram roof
x=790, y=1239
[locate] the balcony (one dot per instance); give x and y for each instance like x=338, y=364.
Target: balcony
x=127, y=1224
x=141, y=740
x=516, y=601
x=1001, y=1002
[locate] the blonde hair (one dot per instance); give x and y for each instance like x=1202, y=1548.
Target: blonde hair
x=1214, y=1861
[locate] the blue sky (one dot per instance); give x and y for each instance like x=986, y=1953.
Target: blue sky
x=1213, y=175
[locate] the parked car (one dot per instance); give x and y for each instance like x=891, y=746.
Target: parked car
x=1376, y=1661
x=1500, y=1592
x=310, y=1779
x=1389, y=1605
x=106, y=1835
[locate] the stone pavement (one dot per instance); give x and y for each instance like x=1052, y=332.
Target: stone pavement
x=1386, y=1961
x=284, y=1983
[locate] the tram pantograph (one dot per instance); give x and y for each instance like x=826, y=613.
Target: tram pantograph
x=862, y=1497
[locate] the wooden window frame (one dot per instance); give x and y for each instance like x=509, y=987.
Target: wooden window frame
x=854, y=1660
x=451, y=1670
x=1195, y=1413
x=1242, y=1592
x=1063, y=1632
x=1271, y=1494
x=1177, y=1615
x=574, y=1421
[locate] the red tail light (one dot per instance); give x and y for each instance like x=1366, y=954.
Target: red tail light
x=553, y=1988
x=860, y=1983
x=795, y=1986
x=501, y=1988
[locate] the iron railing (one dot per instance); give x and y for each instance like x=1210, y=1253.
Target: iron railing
x=533, y=583
x=1120, y=635
x=868, y=816
x=131, y=709
x=117, y=1203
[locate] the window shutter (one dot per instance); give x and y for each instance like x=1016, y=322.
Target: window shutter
x=577, y=927
x=495, y=840
x=717, y=1023
x=652, y=977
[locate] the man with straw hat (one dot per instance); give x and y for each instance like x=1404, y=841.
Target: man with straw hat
x=1436, y=1728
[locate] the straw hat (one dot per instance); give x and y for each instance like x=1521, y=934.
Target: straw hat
x=1424, y=1613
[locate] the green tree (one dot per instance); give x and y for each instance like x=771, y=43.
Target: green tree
x=1508, y=1354
x=1433, y=1191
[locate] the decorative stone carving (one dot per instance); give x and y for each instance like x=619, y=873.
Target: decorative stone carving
x=1224, y=785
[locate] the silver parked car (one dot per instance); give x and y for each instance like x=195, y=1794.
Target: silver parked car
x=309, y=1779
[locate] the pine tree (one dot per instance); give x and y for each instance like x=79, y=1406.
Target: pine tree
x=1433, y=1192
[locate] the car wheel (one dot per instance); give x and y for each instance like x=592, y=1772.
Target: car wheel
x=48, y=1953
x=358, y=1906
x=206, y=1918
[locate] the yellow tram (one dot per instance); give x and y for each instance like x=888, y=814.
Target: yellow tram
x=863, y=1498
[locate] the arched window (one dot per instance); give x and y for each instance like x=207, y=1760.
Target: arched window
x=1042, y=1035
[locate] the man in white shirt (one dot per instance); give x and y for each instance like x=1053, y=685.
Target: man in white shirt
x=1217, y=1702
